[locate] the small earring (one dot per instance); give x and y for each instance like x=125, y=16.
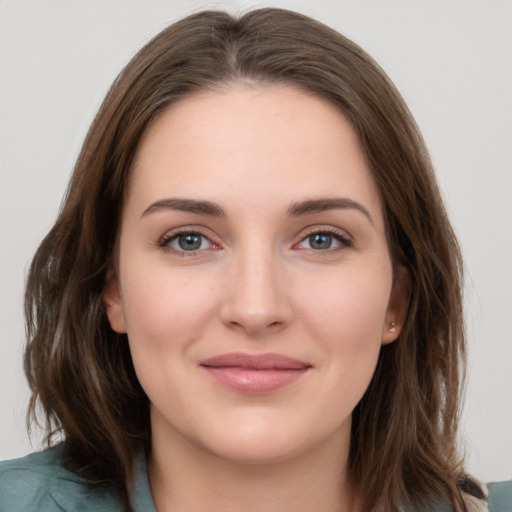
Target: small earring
x=392, y=326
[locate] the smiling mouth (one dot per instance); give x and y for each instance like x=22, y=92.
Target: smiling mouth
x=254, y=374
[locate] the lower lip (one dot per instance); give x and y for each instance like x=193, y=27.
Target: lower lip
x=255, y=382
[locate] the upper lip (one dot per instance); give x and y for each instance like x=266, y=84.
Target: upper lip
x=269, y=361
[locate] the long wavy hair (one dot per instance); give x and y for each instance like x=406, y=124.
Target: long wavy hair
x=404, y=431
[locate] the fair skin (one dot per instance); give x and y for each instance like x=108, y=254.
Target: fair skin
x=226, y=249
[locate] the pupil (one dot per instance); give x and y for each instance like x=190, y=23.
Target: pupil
x=189, y=242
x=320, y=241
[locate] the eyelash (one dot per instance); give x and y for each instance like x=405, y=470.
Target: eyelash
x=164, y=242
x=343, y=240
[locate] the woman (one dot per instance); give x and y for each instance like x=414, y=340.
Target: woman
x=251, y=298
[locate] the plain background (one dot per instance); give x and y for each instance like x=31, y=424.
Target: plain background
x=450, y=59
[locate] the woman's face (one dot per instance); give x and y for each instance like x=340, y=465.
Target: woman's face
x=254, y=278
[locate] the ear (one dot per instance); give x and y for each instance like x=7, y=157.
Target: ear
x=397, y=307
x=114, y=305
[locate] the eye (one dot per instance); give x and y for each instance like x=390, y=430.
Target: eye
x=186, y=242
x=324, y=240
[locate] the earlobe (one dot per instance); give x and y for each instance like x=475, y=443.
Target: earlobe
x=397, y=307
x=114, y=306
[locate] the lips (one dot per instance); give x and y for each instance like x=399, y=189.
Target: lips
x=254, y=374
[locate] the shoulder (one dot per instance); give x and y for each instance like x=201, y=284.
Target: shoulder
x=40, y=483
x=477, y=497
x=500, y=496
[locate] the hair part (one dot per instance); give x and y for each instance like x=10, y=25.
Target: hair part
x=404, y=430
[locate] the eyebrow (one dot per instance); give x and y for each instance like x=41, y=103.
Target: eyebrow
x=185, y=205
x=324, y=204
x=301, y=208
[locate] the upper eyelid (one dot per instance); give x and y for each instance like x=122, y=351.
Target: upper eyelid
x=171, y=233
x=311, y=230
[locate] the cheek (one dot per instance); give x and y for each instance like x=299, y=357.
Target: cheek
x=350, y=306
x=345, y=317
x=165, y=315
x=165, y=311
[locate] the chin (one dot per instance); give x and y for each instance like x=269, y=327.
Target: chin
x=253, y=451
x=260, y=441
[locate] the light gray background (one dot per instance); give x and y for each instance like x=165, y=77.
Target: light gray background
x=452, y=60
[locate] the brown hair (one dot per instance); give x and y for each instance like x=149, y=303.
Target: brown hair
x=403, y=445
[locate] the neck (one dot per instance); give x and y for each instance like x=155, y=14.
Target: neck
x=184, y=477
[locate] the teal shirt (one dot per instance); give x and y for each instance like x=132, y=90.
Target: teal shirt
x=39, y=483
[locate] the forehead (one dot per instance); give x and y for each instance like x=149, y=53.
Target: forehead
x=272, y=141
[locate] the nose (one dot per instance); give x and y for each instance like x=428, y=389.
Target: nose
x=256, y=298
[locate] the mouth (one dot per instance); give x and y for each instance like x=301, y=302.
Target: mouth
x=255, y=373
